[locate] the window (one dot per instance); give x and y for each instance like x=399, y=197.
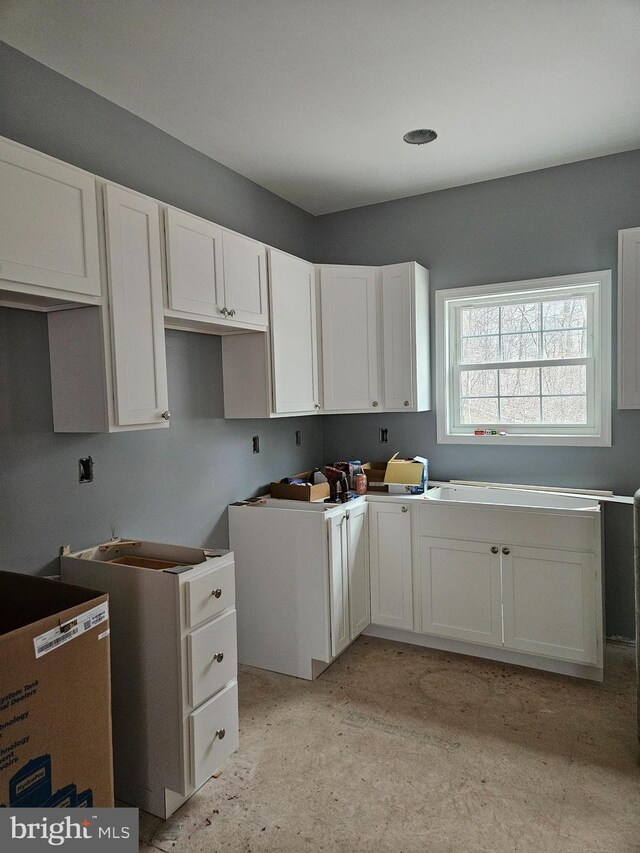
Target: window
x=526, y=362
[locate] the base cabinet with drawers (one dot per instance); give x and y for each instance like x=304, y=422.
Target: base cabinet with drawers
x=173, y=664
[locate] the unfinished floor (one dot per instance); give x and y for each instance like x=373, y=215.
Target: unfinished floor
x=398, y=748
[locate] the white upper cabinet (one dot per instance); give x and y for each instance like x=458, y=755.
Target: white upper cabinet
x=48, y=227
x=629, y=318
x=134, y=268
x=275, y=374
x=194, y=264
x=108, y=365
x=244, y=291
x=216, y=279
x=405, y=337
x=349, y=302
x=292, y=300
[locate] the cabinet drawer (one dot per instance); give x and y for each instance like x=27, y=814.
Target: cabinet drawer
x=208, y=748
x=209, y=594
x=553, y=529
x=205, y=646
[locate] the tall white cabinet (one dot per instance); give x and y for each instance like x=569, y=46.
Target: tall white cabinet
x=405, y=338
x=351, y=353
x=629, y=318
x=276, y=374
x=348, y=575
x=108, y=366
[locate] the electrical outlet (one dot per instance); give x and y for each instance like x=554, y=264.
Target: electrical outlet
x=85, y=470
x=298, y=437
x=384, y=435
x=256, y=443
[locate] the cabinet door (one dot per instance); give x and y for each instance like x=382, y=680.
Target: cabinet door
x=194, y=264
x=629, y=318
x=338, y=582
x=245, y=279
x=132, y=227
x=350, y=347
x=399, y=344
x=460, y=589
x=292, y=299
x=391, y=571
x=359, y=588
x=48, y=224
x=550, y=603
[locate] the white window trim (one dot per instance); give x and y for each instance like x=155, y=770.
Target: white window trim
x=602, y=346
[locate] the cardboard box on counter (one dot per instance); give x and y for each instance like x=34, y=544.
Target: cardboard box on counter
x=375, y=472
x=55, y=695
x=287, y=491
x=385, y=475
x=411, y=472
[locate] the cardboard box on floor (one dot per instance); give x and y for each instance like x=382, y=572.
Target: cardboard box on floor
x=55, y=695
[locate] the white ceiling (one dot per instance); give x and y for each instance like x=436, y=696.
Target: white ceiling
x=310, y=98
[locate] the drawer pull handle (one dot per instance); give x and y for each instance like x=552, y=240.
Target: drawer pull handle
x=405, y=509
x=217, y=593
x=506, y=551
x=494, y=549
x=219, y=657
x=220, y=733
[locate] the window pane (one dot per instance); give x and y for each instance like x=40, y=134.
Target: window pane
x=479, y=411
x=480, y=321
x=564, y=344
x=520, y=381
x=564, y=410
x=478, y=383
x=520, y=347
x=571, y=379
x=480, y=350
x=564, y=313
x=519, y=410
x=520, y=318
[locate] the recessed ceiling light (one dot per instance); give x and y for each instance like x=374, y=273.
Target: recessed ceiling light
x=420, y=137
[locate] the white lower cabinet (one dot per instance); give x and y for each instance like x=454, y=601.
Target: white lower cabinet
x=544, y=601
x=303, y=591
x=391, y=565
x=549, y=600
x=173, y=664
x=460, y=590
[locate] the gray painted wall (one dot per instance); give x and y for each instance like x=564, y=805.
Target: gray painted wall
x=551, y=222
x=175, y=484
x=172, y=484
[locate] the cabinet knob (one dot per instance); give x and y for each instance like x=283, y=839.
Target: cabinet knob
x=166, y=415
x=506, y=551
x=224, y=312
x=407, y=404
x=494, y=549
x=375, y=403
x=316, y=405
x=404, y=509
x=217, y=593
x=219, y=657
x=232, y=313
x=220, y=733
